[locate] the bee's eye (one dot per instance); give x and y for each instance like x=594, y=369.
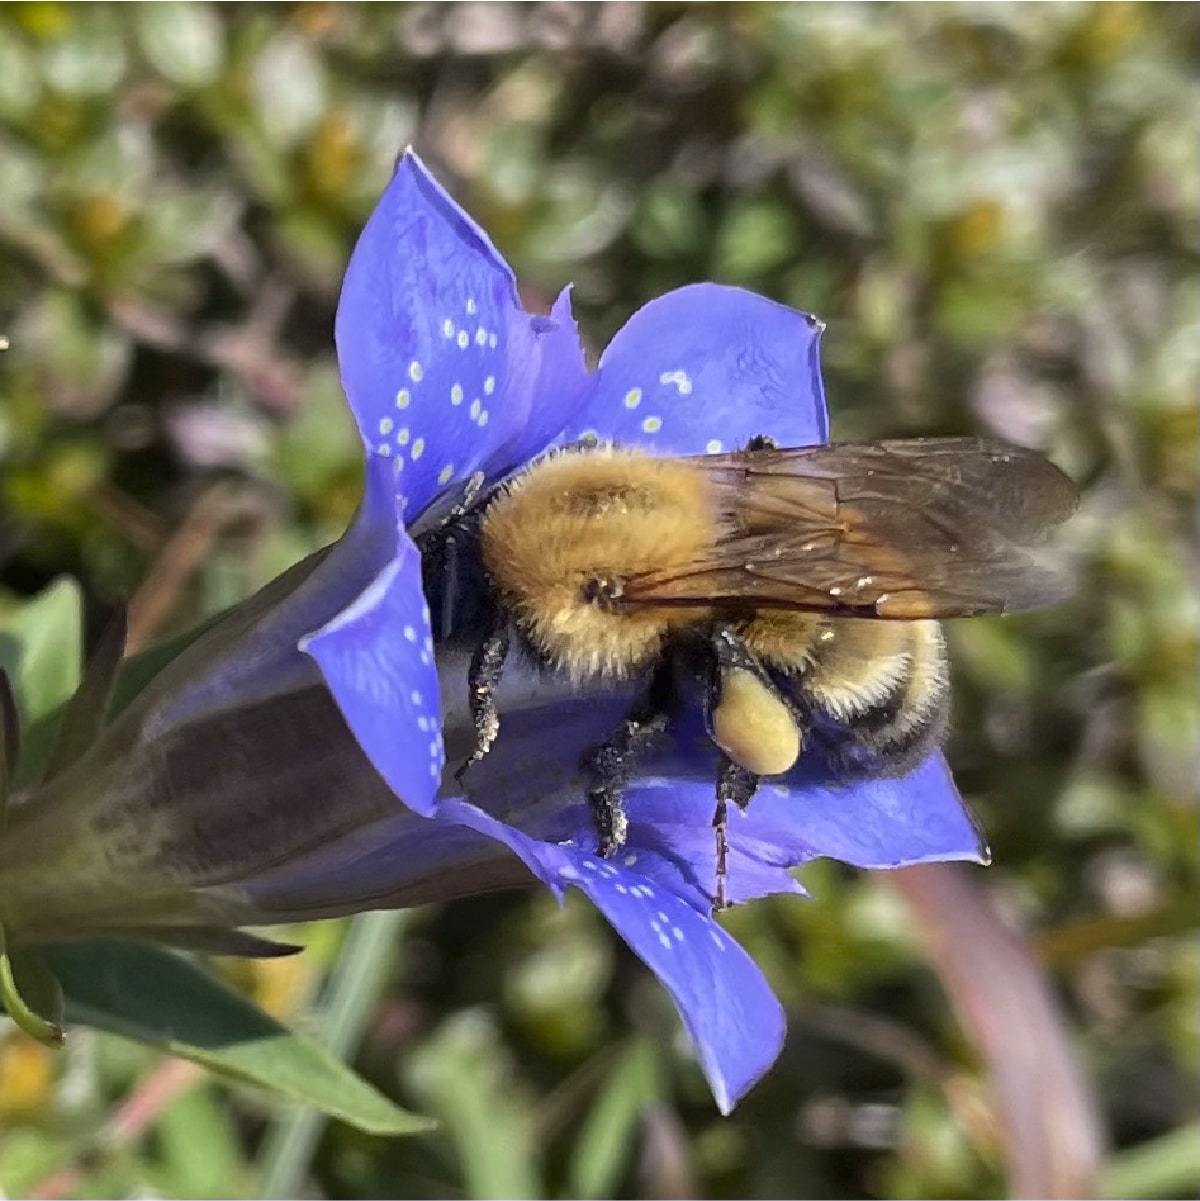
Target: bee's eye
x=601, y=592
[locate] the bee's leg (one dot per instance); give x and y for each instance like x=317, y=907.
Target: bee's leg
x=483, y=677
x=611, y=762
x=736, y=784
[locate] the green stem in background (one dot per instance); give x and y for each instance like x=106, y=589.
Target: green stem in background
x=352, y=995
x=1167, y=1166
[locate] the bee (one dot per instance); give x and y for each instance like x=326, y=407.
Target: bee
x=802, y=588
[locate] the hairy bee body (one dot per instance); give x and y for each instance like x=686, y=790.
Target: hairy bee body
x=559, y=542
x=804, y=587
x=873, y=694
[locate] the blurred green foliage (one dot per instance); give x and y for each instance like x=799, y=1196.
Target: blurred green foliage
x=995, y=207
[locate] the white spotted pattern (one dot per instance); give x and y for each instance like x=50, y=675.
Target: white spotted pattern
x=681, y=380
x=429, y=383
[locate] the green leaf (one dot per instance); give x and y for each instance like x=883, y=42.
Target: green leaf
x=41, y=648
x=197, y=1143
x=609, y=1136
x=352, y=994
x=183, y=41
x=1166, y=1166
x=159, y=998
x=468, y=1079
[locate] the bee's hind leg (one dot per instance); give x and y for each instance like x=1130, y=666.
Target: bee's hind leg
x=736, y=784
x=753, y=727
x=611, y=763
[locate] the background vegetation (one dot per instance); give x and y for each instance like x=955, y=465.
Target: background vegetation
x=995, y=208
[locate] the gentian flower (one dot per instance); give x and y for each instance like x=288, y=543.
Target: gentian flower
x=233, y=790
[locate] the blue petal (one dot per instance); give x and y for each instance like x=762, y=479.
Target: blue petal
x=670, y=842
x=438, y=359
x=734, y=1020
x=884, y=822
x=706, y=368
x=881, y=822
x=377, y=658
x=253, y=653
x=563, y=385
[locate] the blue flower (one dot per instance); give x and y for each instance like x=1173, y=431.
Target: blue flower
x=447, y=376
x=234, y=789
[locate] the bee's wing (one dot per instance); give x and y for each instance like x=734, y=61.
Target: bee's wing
x=911, y=529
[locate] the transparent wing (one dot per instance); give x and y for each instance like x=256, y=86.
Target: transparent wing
x=906, y=529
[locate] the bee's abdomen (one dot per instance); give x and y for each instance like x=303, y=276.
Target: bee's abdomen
x=877, y=694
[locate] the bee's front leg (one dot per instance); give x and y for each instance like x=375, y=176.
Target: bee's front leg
x=483, y=678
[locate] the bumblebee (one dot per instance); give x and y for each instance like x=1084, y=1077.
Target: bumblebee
x=803, y=588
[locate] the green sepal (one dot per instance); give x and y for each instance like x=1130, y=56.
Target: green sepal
x=83, y=715
x=10, y=742
x=31, y=994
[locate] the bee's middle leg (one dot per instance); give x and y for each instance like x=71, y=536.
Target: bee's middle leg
x=611, y=763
